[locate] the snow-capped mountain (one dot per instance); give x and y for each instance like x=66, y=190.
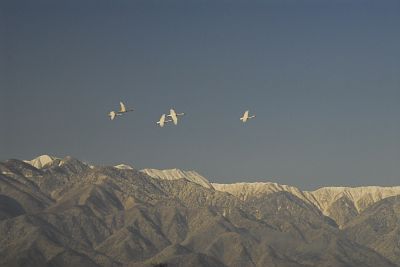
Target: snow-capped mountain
x=41, y=161
x=72, y=213
x=361, y=197
x=123, y=167
x=175, y=174
x=357, y=198
x=246, y=190
x=339, y=203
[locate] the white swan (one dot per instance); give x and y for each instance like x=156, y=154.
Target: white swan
x=174, y=115
x=246, y=116
x=122, y=110
x=162, y=121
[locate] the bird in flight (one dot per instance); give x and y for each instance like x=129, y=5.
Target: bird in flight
x=122, y=111
x=174, y=115
x=246, y=116
x=163, y=121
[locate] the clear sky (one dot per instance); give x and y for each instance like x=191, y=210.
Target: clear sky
x=323, y=78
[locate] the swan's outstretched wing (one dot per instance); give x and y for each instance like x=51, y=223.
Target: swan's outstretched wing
x=161, y=121
x=123, y=108
x=173, y=116
x=112, y=115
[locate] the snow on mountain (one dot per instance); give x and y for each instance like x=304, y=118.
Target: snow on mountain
x=323, y=198
x=175, y=174
x=75, y=215
x=41, y=161
x=362, y=197
x=123, y=167
x=246, y=190
x=326, y=198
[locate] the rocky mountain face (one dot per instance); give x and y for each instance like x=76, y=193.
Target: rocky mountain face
x=339, y=203
x=63, y=212
x=378, y=227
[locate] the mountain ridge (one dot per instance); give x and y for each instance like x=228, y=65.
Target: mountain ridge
x=69, y=212
x=174, y=174
x=323, y=198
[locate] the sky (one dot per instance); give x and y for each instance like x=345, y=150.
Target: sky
x=322, y=77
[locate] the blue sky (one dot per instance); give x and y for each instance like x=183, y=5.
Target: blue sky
x=323, y=78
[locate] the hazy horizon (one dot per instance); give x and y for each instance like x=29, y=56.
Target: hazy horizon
x=322, y=77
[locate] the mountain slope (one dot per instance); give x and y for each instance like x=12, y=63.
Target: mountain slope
x=339, y=203
x=175, y=174
x=68, y=212
x=360, y=197
x=378, y=227
x=41, y=161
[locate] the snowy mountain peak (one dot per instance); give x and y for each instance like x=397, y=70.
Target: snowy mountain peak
x=123, y=167
x=255, y=189
x=362, y=197
x=41, y=161
x=326, y=199
x=175, y=174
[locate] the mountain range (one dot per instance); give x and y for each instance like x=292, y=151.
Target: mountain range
x=65, y=212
